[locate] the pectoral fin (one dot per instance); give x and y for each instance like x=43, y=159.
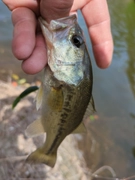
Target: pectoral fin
x=39, y=97
x=56, y=99
x=35, y=129
x=80, y=129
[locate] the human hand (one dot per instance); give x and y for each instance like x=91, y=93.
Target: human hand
x=28, y=43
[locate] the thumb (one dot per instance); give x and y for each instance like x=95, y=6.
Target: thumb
x=55, y=9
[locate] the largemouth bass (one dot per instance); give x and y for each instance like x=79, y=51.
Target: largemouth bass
x=66, y=90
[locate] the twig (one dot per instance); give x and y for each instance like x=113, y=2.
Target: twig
x=105, y=168
x=14, y=158
x=128, y=178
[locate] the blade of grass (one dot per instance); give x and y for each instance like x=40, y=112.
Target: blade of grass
x=23, y=94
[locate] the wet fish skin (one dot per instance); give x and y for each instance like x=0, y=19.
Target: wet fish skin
x=65, y=59
x=66, y=89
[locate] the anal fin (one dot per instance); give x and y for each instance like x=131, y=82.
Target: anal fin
x=35, y=128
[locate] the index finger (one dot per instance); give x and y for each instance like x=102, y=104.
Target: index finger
x=31, y=4
x=24, y=22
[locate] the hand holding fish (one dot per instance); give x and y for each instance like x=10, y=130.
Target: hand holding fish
x=65, y=94
x=28, y=42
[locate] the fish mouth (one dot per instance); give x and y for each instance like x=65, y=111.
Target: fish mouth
x=60, y=23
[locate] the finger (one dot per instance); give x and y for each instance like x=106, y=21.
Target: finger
x=24, y=32
x=51, y=9
x=31, y=4
x=78, y=4
x=98, y=21
x=38, y=59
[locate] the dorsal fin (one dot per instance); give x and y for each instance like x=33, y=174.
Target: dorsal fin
x=90, y=109
x=80, y=129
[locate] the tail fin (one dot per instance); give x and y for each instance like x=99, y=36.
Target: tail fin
x=39, y=156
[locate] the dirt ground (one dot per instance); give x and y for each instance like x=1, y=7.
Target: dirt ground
x=15, y=146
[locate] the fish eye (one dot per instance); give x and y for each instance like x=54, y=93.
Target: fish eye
x=77, y=40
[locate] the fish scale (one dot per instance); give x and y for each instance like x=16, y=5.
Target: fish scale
x=66, y=90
